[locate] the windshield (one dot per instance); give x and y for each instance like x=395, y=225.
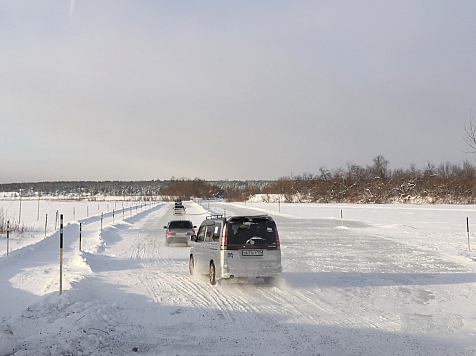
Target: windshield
x=180, y=225
x=251, y=231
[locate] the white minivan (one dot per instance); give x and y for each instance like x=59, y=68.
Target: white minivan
x=236, y=247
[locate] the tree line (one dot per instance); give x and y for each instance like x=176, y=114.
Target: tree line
x=183, y=188
x=376, y=183
x=446, y=183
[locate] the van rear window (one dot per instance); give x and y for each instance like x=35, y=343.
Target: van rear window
x=251, y=231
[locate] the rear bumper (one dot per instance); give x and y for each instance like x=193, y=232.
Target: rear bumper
x=251, y=272
x=178, y=239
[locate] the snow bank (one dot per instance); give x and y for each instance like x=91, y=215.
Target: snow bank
x=58, y=325
x=8, y=342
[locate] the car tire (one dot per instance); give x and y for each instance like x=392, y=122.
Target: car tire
x=269, y=280
x=212, y=274
x=191, y=265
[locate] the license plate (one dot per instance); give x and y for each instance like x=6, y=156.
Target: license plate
x=252, y=253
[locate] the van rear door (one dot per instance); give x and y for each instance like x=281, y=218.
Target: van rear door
x=255, y=244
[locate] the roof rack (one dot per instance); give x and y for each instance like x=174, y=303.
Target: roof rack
x=262, y=216
x=214, y=216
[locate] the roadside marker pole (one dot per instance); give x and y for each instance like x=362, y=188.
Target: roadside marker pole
x=101, y=221
x=122, y=213
x=38, y=215
x=56, y=220
x=8, y=236
x=467, y=229
x=113, y=216
x=61, y=255
x=74, y=214
x=46, y=223
x=80, y=225
x=87, y=211
x=19, y=215
x=342, y=218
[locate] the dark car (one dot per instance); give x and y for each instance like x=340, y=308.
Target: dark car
x=179, y=231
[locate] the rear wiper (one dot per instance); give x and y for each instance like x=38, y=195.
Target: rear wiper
x=253, y=240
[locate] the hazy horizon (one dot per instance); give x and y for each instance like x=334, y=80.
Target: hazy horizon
x=105, y=91
x=289, y=175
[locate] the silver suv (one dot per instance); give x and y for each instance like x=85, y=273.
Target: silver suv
x=237, y=246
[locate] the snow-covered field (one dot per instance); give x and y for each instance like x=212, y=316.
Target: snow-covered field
x=385, y=280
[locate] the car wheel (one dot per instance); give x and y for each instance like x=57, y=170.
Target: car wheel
x=269, y=280
x=212, y=274
x=191, y=265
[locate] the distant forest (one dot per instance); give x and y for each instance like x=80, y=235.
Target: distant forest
x=446, y=183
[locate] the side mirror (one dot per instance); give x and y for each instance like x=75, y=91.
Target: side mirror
x=165, y=227
x=194, y=227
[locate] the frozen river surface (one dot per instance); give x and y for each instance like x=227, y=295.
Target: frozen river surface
x=385, y=280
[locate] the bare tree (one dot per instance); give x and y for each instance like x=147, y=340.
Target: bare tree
x=470, y=130
x=414, y=171
x=380, y=167
x=325, y=174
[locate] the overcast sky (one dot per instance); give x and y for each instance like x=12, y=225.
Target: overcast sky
x=139, y=90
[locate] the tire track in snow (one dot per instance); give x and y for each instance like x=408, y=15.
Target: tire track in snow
x=298, y=305
x=251, y=309
x=238, y=305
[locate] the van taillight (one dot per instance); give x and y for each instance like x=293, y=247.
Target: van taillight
x=224, y=241
x=169, y=233
x=277, y=236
